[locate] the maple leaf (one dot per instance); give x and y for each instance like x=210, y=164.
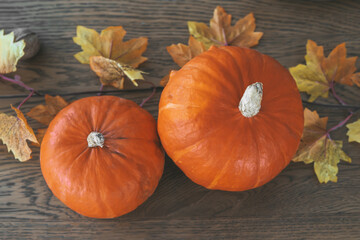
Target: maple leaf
x=181, y=53
x=165, y=80
x=45, y=113
x=40, y=134
x=113, y=73
x=221, y=33
x=10, y=52
x=320, y=73
x=317, y=147
x=14, y=131
x=109, y=44
x=354, y=131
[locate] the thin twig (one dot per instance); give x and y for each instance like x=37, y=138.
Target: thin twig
x=340, y=124
x=18, y=82
x=101, y=89
x=342, y=102
x=27, y=98
x=151, y=95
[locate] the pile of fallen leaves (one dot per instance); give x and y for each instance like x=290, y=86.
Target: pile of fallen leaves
x=114, y=60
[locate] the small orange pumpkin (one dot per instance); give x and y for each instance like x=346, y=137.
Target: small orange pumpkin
x=101, y=156
x=231, y=118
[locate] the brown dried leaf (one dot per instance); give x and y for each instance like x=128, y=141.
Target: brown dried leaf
x=14, y=132
x=113, y=73
x=45, y=113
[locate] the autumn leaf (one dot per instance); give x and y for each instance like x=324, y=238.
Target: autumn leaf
x=113, y=73
x=320, y=73
x=14, y=131
x=354, y=131
x=109, y=44
x=221, y=33
x=40, y=133
x=10, y=52
x=45, y=113
x=165, y=80
x=317, y=147
x=181, y=53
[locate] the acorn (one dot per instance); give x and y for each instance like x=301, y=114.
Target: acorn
x=32, y=43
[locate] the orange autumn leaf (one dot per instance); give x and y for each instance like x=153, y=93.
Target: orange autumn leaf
x=109, y=44
x=165, y=80
x=221, y=33
x=355, y=78
x=181, y=53
x=113, y=73
x=317, y=147
x=40, y=133
x=45, y=113
x=14, y=132
x=320, y=72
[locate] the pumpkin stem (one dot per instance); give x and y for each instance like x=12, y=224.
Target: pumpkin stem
x=250, y=102
x=95, y=139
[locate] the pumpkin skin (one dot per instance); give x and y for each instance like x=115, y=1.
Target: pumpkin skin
x=102, y=182
x=203, y=131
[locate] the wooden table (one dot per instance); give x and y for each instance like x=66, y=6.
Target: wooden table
x=292, y=206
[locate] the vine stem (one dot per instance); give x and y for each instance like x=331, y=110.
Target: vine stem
x=17, y=81
x=101, y=90
x=342, y=102
x=27, y=98
x=340, y=124
x=151, y=95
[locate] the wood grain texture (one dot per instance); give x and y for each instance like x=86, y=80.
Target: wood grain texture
x=292, y=206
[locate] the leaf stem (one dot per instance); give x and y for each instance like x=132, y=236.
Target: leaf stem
x=340, y=124
x=332, y=84
x=151, y=95
x=101, y=90
x=17, y=81
x=27, y=98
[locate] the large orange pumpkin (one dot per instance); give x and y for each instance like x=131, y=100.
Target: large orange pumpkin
x=101, y=156
x=231, y=118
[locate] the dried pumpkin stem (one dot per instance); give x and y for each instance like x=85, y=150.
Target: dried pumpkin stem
x=95, y=139
x=250, y=102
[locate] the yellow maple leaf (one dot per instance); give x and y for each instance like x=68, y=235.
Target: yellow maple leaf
x=14, y=131
x=221, y=33
x=109, y=44
x=113, y=73
x=10, y=52
x=354, y=131
x=319, y=73
x=317, y=147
